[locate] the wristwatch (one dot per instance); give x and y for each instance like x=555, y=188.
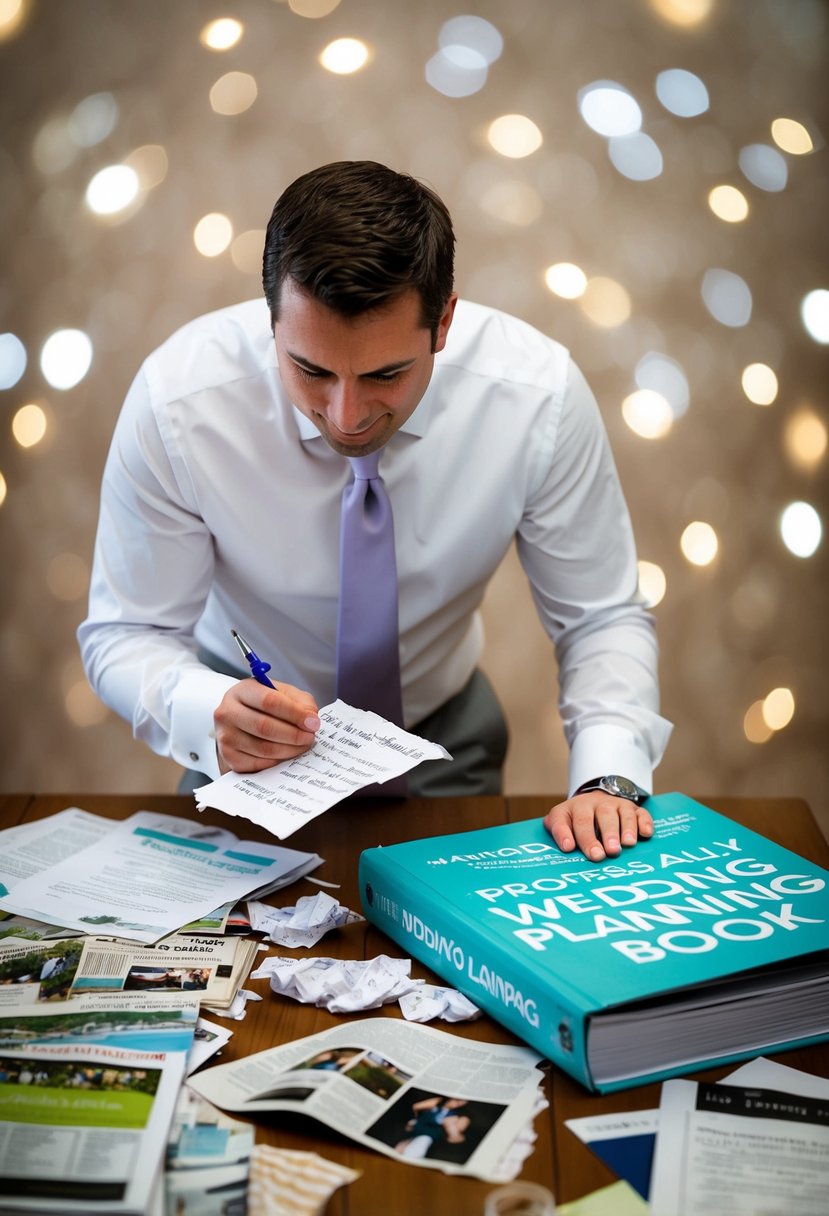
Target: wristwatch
x=619, y=787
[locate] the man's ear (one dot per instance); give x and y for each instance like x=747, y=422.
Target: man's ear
x=445, y=322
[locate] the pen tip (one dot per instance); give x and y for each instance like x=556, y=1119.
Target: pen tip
x=235, y=634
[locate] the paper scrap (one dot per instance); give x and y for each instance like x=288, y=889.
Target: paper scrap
x=236, y=1010
x=429, y=1001
x=354, y=748
x=337, y=985
x=303, y=925
x=287, y=1182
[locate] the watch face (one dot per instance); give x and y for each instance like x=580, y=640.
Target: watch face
x=622, y=787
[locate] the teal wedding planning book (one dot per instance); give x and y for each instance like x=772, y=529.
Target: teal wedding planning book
x=705, y=944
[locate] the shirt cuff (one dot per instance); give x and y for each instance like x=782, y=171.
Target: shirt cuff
x=192, y=730
x=598, y=751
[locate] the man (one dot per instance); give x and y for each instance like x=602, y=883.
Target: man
x=221, y=497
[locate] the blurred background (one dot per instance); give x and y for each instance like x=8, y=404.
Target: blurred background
x=645, y=180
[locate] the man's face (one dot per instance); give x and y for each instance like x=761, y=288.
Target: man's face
x=357, y=378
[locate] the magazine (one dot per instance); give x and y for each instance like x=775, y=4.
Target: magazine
x=211, y=968
x=86, y=1101
x=413, y=1093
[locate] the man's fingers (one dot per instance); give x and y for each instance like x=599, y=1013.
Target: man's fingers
x=257, y=727
x=599, y=825
x=559, y=824
x=588, y=819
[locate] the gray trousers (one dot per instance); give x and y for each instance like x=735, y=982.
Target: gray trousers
x=470, y=725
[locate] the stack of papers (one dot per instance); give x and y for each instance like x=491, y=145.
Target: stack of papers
x=140, y=879
x=756, y=1141
x=115, y=941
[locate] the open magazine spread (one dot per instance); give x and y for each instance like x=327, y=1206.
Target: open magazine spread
x=87, y=1096
x=405, y=1090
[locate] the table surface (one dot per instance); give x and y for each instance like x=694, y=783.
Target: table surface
x=559, y=1160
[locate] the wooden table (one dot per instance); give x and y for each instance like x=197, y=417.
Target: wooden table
x=387, y=1187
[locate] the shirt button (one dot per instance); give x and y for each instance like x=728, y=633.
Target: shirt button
x=194, y=755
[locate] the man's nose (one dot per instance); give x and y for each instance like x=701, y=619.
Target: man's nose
x=346, y=407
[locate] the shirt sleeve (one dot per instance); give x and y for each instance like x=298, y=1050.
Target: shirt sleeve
x=576, y=545
x=151, y=575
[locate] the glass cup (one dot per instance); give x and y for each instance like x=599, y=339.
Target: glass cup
x=520, y=1199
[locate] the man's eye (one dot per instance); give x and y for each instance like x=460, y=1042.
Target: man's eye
x=307, y=374
x=385, y=377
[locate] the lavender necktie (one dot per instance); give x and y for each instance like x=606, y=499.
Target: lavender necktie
x=368, y=650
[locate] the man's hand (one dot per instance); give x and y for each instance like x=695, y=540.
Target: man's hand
x=256, y=727
x=599, y=824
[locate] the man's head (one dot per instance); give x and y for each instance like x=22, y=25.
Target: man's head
x=356, y=236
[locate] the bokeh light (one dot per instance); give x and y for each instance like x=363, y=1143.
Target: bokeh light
x=764, y=167
x=778, y=708
x=12, y=16
x=112, y=190
x=684, y=13
x=665, y=376
x=653, y=583
x=247, y=250
x=221, y=34
x=647, y=413
x=682, y=93
x=150, y=163
x=727, y=297
x=605, y=302
x=13, y=360
x=212, y=234
x=65, y=358
x=755, y=727
x=313, y=9
x=344, y=56
x=814, y=311
x=514, y=135
x=457, y=71
x=93, y=119
x=805, y=439
x=609, y=108
x=759, y=383
x=53, y=148
x=3, y=489
x=699, y=543
x=636, y=156
x=801, y=529
x=791, y=136
x=29, y=425
x=233, y=93
x=728, y=203
x=565, y=279
x=473, y=34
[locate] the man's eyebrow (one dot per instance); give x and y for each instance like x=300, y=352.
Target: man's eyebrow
x=386, y=370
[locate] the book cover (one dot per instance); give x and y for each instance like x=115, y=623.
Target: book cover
x=632, y=969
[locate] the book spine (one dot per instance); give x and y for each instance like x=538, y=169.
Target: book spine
x=499, y=982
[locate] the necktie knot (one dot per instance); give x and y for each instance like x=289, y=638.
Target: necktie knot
x=365, y=468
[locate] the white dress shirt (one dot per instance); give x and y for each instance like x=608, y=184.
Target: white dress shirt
x=220, y=509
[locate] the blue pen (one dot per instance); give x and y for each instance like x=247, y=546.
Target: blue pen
x=258, y=667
